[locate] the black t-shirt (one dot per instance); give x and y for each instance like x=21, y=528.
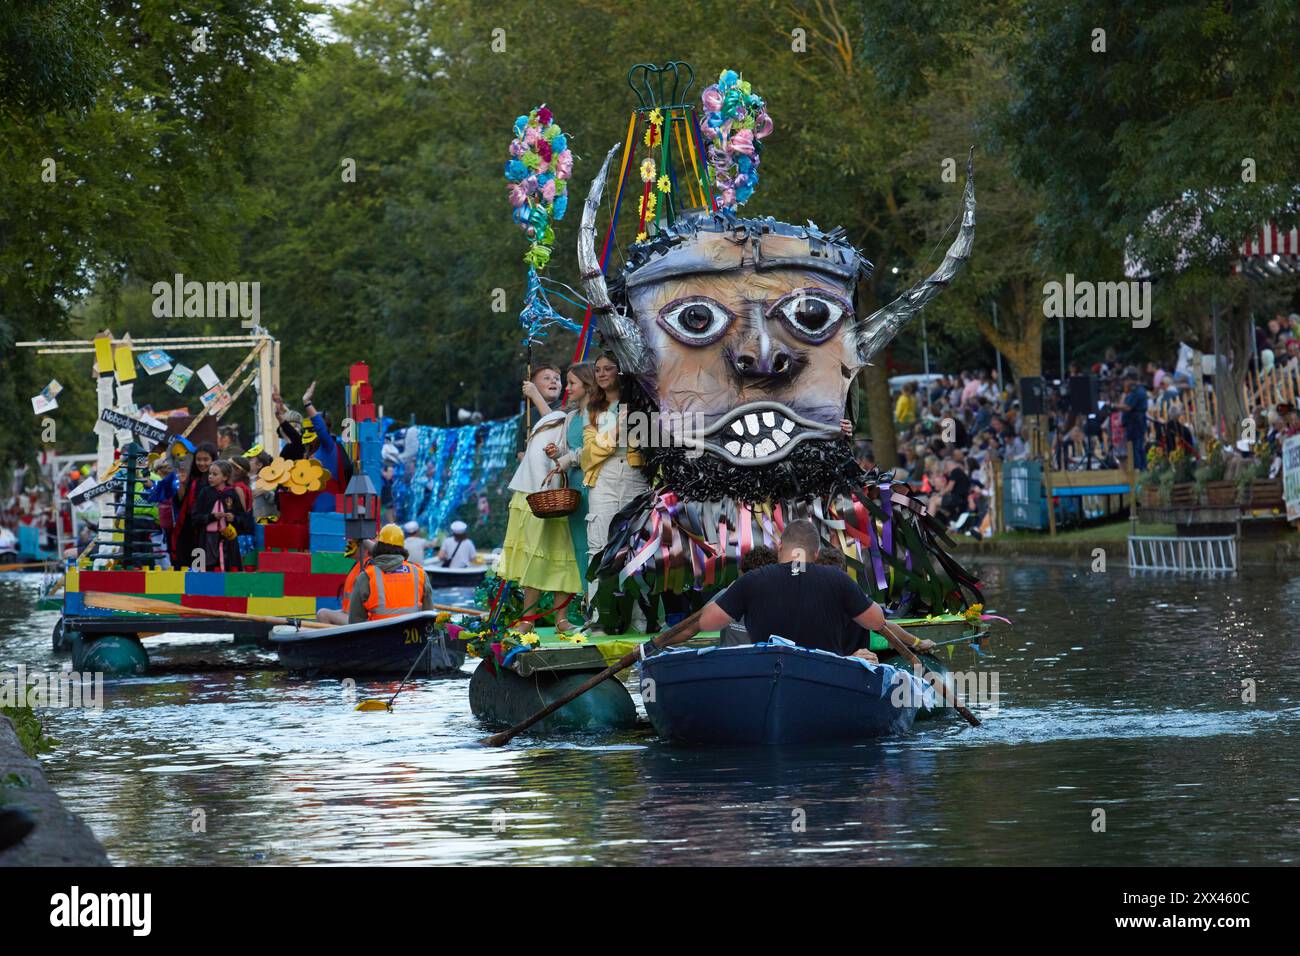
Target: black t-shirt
x=960, y=483
x=813, y=608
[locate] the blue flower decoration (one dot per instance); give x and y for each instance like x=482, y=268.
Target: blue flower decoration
x=560, y=143
x=516, y=171
x=728, y=78
x=520, y=125
x=561, y=203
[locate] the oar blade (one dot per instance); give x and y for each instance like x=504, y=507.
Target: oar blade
x=372, y=704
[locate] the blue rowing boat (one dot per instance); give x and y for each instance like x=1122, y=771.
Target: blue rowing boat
x=776, y=693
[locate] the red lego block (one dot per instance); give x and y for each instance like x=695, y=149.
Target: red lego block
x=364, y=411
x=286, y=537
x=313, y=585
x=364, y=393
x=358, y=372
x=213, y=603
x=113, y=582
x=289, y=562
x=295, y=508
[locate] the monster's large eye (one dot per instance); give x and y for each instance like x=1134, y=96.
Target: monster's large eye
x=696, y=321
x=812, y=314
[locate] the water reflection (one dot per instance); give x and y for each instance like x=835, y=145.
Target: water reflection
x=1118, y=693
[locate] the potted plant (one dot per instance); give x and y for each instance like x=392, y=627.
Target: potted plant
x=1212, y=489
x=1265, y=492
x=1183, y=491
x=1148, y=482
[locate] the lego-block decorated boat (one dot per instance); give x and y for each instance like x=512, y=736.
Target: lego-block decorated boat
x=298, y=567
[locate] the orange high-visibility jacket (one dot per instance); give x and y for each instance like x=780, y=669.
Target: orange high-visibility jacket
x=350, y=580
x=393, y=593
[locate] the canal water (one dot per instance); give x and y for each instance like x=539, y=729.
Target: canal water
x=1120, y=705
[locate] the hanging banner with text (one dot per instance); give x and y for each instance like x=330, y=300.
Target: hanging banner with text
x=1291, y=477
x=154, y=433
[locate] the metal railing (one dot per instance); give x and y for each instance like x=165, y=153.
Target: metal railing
x=1161, y=553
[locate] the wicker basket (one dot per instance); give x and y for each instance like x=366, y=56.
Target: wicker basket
x=555, y=502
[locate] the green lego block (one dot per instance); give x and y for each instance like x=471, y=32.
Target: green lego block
x=255, y=584
x=330, y=562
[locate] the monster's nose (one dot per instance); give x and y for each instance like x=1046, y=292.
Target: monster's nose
x=760, y=357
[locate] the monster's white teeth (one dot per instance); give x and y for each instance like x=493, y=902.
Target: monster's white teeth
x=758, y=435
x=765, y=447
x=751, y=422
x=780, y=437
x=787, y=425
x=738, y=428
x=747, y=450
x=733, y=447
x=769, y=419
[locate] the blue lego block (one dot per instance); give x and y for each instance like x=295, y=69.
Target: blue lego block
x=73, y=603
x=324, y=502
x=259, y=536
x=329, y=604
x=326, y=522
x=206, y=583
x=368, y=431
x=329, y=542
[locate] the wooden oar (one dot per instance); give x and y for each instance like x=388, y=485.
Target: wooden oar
x=682, y=631
x=373, y=703
x=139, y=605
x=898, y=644
x=22, y=567
x=459, y=610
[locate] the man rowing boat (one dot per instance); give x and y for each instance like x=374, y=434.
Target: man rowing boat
x=804, y=602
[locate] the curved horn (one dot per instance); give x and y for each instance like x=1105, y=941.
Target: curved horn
x=877, y=331
x=624, y=335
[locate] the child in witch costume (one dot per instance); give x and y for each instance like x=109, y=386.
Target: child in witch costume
x=220, y=516
x=538, y=552
x=185, y=537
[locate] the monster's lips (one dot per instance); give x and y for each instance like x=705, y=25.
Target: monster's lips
x=760, y=433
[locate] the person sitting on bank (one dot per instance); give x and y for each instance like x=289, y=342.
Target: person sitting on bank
x=457, y=549
x=389, y=585
x=329, y=615
x=803, y=602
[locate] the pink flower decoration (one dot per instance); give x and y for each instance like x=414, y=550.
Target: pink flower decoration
x=712, y=99
x=548, y=191
x=762, y=125
x=544, y=116
x=518, y=195
x=564, y=164
x=728, y=197
x=531, y=136
x=544, y=150
x=742, y=141
x=530, y=185
x=517, y=147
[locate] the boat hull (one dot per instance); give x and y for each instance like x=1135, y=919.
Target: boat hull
x=440, y=577
x=389, y=646
x=501, y=695
x=768, y=694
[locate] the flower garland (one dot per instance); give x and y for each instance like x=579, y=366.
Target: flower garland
x=735, y=120
x=538, y=171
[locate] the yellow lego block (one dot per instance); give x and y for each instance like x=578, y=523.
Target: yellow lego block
x=283, y=606
x=164, y=582
x=72, y=581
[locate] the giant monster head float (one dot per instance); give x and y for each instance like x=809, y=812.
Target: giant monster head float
x=742, y=332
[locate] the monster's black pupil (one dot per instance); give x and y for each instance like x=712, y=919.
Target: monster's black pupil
x=696, y=318
x=813, y=314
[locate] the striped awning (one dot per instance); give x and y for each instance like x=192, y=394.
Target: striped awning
x=1271, y=251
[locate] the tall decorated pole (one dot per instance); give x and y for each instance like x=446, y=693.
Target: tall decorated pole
x=538, y=172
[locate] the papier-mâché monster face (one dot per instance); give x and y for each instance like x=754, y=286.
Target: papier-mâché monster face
x=743, y=330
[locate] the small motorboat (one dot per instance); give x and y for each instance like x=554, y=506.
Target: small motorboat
x=776, y=693
x=466, y=577
x=387, y=646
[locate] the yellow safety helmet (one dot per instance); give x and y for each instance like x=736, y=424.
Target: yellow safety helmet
x=391, y=534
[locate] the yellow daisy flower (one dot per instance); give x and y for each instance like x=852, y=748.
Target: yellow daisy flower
x=648, y=171
x=656, y=118
x=665, y=184
x=641, y=236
